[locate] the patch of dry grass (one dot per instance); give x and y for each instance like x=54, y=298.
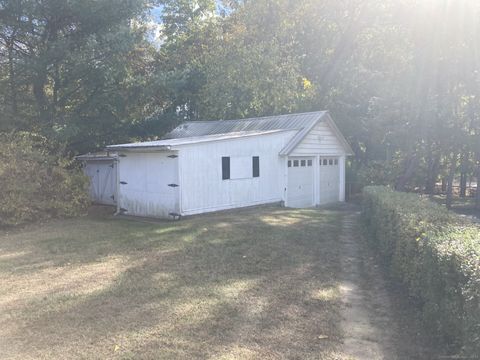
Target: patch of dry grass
x=256, y=283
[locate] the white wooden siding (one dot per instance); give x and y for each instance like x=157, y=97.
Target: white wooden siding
x=146, y=177
x=320, y=140
x=202, y=187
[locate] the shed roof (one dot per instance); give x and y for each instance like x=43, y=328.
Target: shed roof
x=277, y=122
x=204, y=131
x=169, y=144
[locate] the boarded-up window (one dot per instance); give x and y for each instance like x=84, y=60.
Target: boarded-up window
x=240, y=167
x=225, y=168
x=256, y=166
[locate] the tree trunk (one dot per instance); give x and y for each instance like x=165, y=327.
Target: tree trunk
x=410, y=167
x=13, y=83
x=451, y=178
x=56, y=87
x=432, y=175
x=463, y=184
x=463, y=175
x=40, y=96
x=477, y=192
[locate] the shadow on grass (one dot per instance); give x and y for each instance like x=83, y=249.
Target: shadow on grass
x=256, y=282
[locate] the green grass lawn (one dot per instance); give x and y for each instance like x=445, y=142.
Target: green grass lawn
x=255, y=283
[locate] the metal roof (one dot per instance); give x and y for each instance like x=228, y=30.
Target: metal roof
x=204, y=131
x=278, y=122
x=170, y=144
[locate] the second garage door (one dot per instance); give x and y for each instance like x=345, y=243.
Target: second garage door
x=329, y=180
x=300, y=182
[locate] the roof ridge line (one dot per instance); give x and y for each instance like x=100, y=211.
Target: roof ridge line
x=257, y=118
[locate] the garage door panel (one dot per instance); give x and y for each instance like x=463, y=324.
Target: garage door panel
x=329, y=180
x=300, y=182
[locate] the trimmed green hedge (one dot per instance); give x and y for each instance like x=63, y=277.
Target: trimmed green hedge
x=435, y=254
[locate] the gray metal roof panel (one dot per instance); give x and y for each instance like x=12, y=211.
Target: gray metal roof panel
x=203, y=131
x=169, y=144
x=278, y=122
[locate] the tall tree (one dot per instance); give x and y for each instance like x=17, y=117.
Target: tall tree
x=75, y=66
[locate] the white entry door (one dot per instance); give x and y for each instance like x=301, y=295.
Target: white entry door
x=329, y=180
x=300, y=182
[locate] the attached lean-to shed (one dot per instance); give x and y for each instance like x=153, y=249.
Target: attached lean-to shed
x=297, y=160
x=101, y=168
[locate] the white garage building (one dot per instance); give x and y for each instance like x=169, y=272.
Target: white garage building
x=296, y=159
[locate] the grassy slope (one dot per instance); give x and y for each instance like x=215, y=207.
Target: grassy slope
x=253, y=283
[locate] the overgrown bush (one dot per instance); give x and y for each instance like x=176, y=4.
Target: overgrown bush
x=36, y=183
x=436, y=256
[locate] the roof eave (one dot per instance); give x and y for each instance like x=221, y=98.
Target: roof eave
x=91, y=158
x=137, y=148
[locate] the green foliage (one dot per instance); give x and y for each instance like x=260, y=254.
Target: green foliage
x=75, y=71
x=396, y=85
x=375, y=173
x=436, y=256
x=399, y=76
x=181, y=18
x=37, y=185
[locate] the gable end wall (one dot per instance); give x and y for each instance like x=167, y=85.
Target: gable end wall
x=320, y=140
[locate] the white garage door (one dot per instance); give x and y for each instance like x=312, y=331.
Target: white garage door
x=300, y=182
x=329, y=180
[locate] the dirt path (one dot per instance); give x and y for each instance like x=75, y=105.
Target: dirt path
x=373, y=323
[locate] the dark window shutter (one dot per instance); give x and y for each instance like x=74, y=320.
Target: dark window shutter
x=225, y=168
x=256, y=166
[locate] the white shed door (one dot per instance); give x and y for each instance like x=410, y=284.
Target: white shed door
x=329, y=180
x=300, y=182
x=149, y=184
x=103, y=181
